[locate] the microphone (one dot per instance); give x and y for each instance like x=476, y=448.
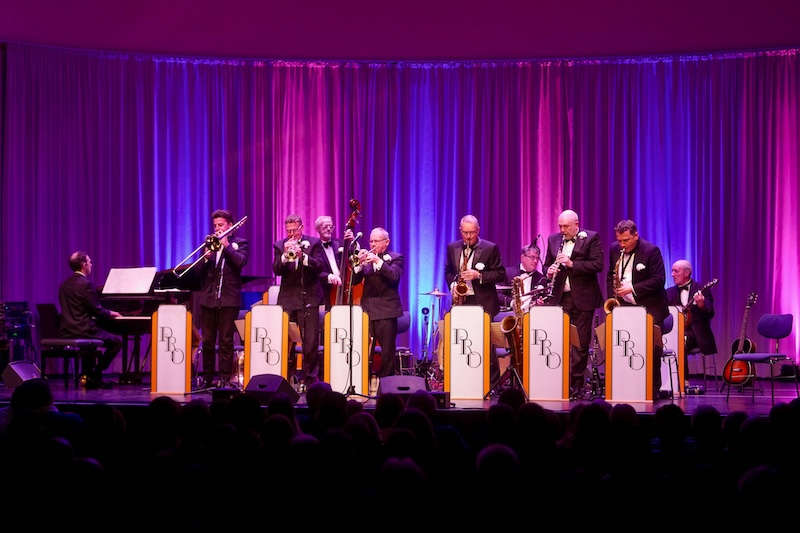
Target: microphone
x=358, y=236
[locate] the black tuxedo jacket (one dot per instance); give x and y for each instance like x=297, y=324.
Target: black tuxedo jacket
x=300, y=285
x=587, y=259
x=488, y=253
x=648, y=278
x=381, y=298
x=326, y=267
x=700, y=324
x=229, y=271
x=79, y=303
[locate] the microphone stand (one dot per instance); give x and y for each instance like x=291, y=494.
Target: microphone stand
x=351, y=389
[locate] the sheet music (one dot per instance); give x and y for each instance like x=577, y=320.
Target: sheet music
x=129, y=280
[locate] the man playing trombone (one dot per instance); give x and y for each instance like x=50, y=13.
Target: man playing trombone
x=574, y=258
x=220, y=297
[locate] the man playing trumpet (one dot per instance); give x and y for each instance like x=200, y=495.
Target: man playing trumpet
x=381, y=271
x=298, y=261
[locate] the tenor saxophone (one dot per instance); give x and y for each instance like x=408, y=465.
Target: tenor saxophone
x=616, y=283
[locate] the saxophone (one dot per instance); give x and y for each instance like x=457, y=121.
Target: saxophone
x=616, y=283
x=511, y=326
x=461, y=291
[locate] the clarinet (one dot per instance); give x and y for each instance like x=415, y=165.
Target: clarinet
x=560, y=268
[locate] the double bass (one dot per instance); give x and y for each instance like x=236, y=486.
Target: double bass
x=346, y=293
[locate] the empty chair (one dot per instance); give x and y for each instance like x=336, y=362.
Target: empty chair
x=775, y=327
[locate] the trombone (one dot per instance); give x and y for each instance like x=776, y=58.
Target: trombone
x=211, y=243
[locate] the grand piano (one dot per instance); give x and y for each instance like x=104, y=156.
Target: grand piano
x=136, y=293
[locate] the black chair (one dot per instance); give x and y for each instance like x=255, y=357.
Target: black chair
x=54, y=346
x=775, y=327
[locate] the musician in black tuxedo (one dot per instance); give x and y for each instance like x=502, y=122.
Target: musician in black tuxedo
x=80, y=310
x=687, y=292
x=478, y=262
x=528, y=264
x=642, y=276
x=574, y=258
x=220, y=297
x=300, y=293
x=381, y=271
x=329, y=275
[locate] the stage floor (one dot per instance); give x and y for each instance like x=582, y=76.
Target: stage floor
x=140, y=395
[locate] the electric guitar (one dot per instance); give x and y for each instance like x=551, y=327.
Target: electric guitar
x=690, y=307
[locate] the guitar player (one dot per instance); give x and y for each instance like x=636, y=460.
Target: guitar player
x=689, y=295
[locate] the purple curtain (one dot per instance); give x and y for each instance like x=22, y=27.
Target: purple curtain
x=126, y=156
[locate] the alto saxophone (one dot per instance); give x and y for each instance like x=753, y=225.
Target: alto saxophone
x=616, y=283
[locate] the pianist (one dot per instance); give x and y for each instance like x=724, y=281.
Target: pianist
x=220, y=298
x=79, y=311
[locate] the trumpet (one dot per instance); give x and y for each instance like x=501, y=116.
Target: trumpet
x=359, y=256
x=292, y=253
x=212, y=243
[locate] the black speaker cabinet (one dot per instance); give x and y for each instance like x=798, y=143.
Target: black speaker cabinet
x=402, y=385
x=265, y=386
x=18, y=371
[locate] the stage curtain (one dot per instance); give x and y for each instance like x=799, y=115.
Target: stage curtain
x=125, y=156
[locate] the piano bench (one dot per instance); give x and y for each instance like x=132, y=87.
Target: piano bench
x=68, y=349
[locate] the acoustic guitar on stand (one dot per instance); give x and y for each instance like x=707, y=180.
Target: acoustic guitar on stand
x=741, y=372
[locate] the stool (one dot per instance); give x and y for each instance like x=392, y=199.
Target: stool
x=406, y=362
x=713, y=356
x=670, y=357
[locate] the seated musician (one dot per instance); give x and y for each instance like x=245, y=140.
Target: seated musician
x=528, y=263
x=686, y=294
x=80, y=310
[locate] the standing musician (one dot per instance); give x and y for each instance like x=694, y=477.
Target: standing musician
x=574, y=258
x=298, y=261
x=474, y=264
x=477, y=262
x=381, y=271
x=639, y=268
x=686, y=294
x=220, y=298
x=329, y=275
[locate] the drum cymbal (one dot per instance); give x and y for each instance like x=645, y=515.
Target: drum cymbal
x=503, y=287
x=436, y=292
